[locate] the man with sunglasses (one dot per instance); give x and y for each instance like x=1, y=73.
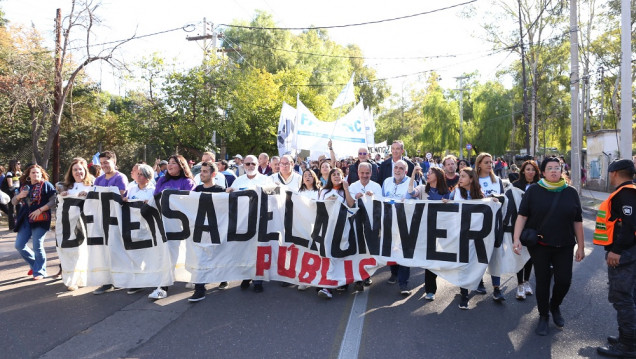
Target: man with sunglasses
x=363, y=156
x=251, y=179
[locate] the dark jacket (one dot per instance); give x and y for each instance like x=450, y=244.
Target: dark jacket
x=353, y=172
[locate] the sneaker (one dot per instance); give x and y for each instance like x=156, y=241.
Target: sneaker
x=368, y=282
x=133, y=290
x=325, y=293
x=463, y=303
x=358, y=286
x=222, y=285
x=189, y=285
x=158, y=294
x=429, y=296
x=198, y=296
x=404, y=290
x=71, y=288
x=302, y=287
x=103, y=289
x=258, y=288
x=392, y=279
x=245, y=283
x=557, y=318
x=481, y=289
x=497, y=295
x=521, y=292
x=528, y=288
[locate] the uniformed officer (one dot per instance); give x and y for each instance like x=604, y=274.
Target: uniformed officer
x=615, y=229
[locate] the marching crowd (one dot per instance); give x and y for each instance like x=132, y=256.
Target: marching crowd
x=549, y=206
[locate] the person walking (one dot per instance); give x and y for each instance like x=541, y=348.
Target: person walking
x=553, y=209
x=616, y=231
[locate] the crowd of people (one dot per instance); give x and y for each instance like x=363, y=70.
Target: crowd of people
x=549, y=205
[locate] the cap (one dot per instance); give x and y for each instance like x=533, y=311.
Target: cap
x=164, y=162
x=239, y=157
x=618, y=165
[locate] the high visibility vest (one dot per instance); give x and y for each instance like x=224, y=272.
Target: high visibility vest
x=604, y=231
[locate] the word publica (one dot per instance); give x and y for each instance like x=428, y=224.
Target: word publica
x=372, y=230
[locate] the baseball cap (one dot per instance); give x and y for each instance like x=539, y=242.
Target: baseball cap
x=238, y=156
x=163, y=162
x=623, y=164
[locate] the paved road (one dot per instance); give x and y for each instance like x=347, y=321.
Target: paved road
x=44, y=320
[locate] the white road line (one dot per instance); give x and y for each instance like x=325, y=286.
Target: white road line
x=350, y=346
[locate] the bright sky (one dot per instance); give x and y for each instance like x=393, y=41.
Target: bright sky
x=441, y=33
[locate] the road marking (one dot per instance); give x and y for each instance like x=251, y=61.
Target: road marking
x=350, y=346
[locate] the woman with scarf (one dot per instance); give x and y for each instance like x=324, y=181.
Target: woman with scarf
x=553, y=209
x=37, y=198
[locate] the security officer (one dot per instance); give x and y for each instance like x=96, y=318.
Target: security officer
x=616, y=230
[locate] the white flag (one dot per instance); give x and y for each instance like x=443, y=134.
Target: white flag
x=346, y=95
x=285, y=135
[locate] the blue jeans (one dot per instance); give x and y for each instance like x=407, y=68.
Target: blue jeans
x=402, y=273
x=36, y=257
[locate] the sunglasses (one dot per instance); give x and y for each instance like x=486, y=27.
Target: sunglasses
x=362, y=153
x=249, y=164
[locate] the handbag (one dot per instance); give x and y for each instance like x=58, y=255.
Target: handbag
x=529, y=236
x=42, y=217
x=36, y=197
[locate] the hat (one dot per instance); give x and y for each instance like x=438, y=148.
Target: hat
x=239, y=157
x=164, y=162
x=618, y=165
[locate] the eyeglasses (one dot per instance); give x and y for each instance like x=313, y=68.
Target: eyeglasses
x=362, y=153
x=249, y=164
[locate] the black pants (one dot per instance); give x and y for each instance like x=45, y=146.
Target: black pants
x=622, y=288
x=430, y=282
x=548, y=262
x=524, y=274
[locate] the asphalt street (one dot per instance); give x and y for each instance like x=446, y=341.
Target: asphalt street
x=44, y=320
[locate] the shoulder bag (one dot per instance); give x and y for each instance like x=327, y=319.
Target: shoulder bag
x=530, y=236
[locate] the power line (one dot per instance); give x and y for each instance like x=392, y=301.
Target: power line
x=350, y=25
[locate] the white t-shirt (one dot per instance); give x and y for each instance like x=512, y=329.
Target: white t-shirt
x=145, y=194
x=243, y=182
x=391, y=190
x=292, y=183
x=79, y=187
x=357, y=187
x=311, y=194
x=489, y=188
x=331, y=194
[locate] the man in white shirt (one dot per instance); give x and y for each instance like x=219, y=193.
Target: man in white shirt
x=286, y=177
x=365, y=186
x=219, y=178
x=396, y=188
x=251, y=179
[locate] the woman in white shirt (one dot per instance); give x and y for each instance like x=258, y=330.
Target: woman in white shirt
x=310, y=186
x=335, y=189
x=143, y=189
x=77, y=180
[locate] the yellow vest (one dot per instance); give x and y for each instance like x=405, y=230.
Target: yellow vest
x=604, y=231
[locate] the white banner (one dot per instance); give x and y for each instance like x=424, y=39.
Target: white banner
x=347, y=134
x=369, y=127
x=285, y=134
x=253, y=234
x=346, y=95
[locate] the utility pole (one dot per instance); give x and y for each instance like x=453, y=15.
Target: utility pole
x=575, y=174
x=600, y=81
x=461, y=115
x=534, y=133
x=55, y=173
x=526, y=120
x=625, y=147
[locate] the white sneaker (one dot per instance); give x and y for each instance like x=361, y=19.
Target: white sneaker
x=158, y=294
x=528, y=288
x=521, y=292
x=302, y=287
x=325, y=293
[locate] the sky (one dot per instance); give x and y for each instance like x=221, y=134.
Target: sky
x=444, y=32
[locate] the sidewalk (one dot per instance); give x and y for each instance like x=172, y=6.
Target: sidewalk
x=591, y=200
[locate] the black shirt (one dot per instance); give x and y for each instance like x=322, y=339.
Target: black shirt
x=558, y=230
x=622, y=206
x=451, y=183
x=214, y=188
